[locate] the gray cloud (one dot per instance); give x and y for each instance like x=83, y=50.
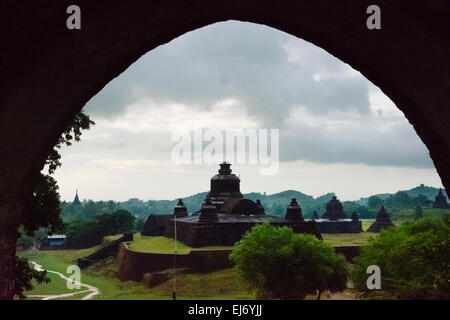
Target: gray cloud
x=239, y=60
x=269, y=72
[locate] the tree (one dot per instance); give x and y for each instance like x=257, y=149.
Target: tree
x=86, y=233
x=139, y=224
x=44, y=208
x=279, y=263
x=23, y=276
x=418, y=212
x=414, y=260
x=83, y=234
x=114, y=223
x=123, y=220
x=375, y=203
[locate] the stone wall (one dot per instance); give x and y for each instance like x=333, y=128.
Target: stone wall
x=133, y=265
x=106, y=251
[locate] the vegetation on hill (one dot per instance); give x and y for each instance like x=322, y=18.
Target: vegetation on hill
x=429, y=192
x=410, y=214
x=414, y=259
x=274, y=204
x=87, y=233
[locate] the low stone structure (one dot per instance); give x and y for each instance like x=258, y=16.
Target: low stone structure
x=334, y=220
x=133, y=265
x=382, y=221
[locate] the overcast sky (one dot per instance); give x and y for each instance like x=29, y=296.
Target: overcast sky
x=338, y=132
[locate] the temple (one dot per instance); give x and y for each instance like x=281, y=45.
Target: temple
x=334, y=220
x=381, y=222
x=440, y=202
x=225, y=216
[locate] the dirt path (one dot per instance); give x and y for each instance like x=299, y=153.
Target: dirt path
x=90, y=292
x=344, y=295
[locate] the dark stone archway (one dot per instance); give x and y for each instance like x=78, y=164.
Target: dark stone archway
x=48, y=73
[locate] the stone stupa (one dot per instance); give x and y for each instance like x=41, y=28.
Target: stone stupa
x=381, y=222
x=440, y=202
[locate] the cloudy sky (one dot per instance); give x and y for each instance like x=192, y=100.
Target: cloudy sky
x=338, y=132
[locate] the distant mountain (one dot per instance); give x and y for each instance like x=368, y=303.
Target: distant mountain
x=363, y=201
x=429, y=192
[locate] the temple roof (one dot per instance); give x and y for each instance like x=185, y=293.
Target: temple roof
x=224, y=185
x=241, y=206
x=224, y=173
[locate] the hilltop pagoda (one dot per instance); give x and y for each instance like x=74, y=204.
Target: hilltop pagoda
x=382, y=221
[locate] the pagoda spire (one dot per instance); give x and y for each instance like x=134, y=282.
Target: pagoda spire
x=76, y=200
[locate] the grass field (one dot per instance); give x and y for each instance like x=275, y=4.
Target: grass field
x=164, y=245
x=223, y=284
x=348, y=239
x=366, y=223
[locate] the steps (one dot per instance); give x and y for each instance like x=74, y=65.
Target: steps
x=109, y=250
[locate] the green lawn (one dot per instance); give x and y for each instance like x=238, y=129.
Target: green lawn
x=223, y=284
x=348, y=239
x=164, y=245
x=110, y=287
x=366, y=223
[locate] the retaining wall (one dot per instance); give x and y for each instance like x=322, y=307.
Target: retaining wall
x=133, y=265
